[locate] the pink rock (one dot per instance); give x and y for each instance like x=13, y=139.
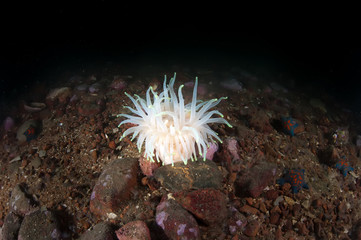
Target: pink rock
x=176, y=222
x=230, y=155
x=212, y=149
x=148, y=166
x=133, y=231
x=209, y=205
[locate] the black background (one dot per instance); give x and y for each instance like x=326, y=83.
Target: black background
x=317, y=46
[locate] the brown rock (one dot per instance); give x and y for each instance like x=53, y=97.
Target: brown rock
x=274, y=218
x=114, y=186
x=209, y=205
x=252, y=228
x=248, y=210
x=195, y=175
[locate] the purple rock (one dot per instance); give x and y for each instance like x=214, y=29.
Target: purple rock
x=233, y=85
x=118, y=83
x=8, y=124
x=94, y=88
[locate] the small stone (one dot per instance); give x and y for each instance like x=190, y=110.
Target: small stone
x=133, y=231
x=101, y=231
x=249, y=210
x=272, y=194
x=94, y=154
x=112, y=145
x=274, y=218
x=302, y=229
x=252, y=228
x=148, y=167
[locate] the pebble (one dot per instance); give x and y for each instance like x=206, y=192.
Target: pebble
x=252, y=228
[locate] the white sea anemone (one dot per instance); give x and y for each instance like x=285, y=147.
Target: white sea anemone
x=172, y=131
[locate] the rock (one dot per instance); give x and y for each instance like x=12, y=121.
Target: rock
x=195, y=175
x=21, y=203
x=252, y=228
x=249, y=210
x=118, y=83
x=10, y=229
x=62, y=95
x=28, y=131
x=212, y=149
x=341, y=136
x=133, y=231
x=274, y=218
x=95, y=87
x=208, y=205
x=148, y=166
x=253, y=181
x=230, y=155
x=232, y=84
x=114, y=186
x=176, y=222
x=8, y=124
x=40, y=225
x=236, y=222
x=356, y=231
x=101, y=231
x=260, y=121
x=89, y=109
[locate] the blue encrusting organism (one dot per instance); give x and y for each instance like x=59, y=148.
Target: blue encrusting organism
x=295, y=177
x=289, y=125
x=30, y=133
x=343, y=166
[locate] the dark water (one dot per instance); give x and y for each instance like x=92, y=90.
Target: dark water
x=310, y=59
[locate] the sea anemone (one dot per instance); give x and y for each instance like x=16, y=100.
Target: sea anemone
x=170, y=130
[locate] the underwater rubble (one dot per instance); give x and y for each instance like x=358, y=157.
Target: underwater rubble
x=288, y=168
